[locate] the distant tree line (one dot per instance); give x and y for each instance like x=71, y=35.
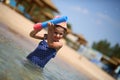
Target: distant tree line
x=105, y=48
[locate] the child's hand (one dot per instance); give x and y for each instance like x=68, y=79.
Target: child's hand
x=50, y=24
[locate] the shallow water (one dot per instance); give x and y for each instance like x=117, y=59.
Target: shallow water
x=13, y=66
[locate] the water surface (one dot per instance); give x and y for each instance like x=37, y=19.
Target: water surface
x=13, y=66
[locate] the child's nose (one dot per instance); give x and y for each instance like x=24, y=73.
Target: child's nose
x=58, y=35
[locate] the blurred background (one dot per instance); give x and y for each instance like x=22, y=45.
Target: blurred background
x=93, y=27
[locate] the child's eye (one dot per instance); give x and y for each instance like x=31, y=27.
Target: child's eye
x=61, y=33
x=58, y=33
x=55, y=32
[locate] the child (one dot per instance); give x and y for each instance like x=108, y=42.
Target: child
x=49, y=45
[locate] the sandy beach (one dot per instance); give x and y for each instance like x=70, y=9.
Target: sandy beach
x=19, y=24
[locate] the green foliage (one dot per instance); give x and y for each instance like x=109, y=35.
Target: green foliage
x=104, y=47
x=116, y=50
x=69, y=26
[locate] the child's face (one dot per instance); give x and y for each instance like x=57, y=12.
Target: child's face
x=58, y=33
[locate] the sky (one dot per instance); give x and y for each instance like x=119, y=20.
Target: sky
x=94, y=19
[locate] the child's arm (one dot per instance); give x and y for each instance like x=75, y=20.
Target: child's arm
x=34, y=34
x=56, y=45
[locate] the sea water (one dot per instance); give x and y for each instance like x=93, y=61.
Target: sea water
x=13, y=65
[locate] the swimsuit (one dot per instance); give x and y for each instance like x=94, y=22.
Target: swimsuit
x=42, y=54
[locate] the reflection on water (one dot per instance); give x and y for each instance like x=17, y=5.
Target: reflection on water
x=13, y=65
